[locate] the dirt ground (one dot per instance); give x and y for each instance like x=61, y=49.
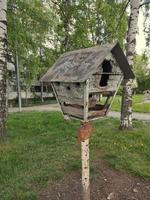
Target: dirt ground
x=106, y=184
x=55, y=107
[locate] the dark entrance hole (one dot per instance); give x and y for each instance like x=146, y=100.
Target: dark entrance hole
x=107, y=68
x=68, y=88
x=77, y=85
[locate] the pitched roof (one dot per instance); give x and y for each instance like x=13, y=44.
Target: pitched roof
x=79, y=65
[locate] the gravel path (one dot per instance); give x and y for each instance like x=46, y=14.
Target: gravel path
x=136, y=115
x=55, y=107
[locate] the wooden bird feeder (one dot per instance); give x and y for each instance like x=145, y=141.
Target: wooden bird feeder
x=85, y=83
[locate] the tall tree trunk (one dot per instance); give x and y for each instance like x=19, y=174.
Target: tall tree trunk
x=3, y=65
x=126, y=110
x=18, y=82
x=66, y=20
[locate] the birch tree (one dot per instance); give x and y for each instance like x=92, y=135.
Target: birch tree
x=126, y=110
x=3, y=65
x=29, y=26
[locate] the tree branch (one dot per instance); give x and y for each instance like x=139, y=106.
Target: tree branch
x=123, y=11
x=145, y=3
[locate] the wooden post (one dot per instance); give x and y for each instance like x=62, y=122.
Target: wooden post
x=42, y=100
x=85, y=150
x=85, y=169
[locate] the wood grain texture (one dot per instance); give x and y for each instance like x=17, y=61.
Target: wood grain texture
x=73, y=111
x=79, y=65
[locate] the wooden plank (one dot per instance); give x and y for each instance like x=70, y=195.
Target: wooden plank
x=70, y=100
x=73, y=111
x=55, y=93
x=112, y=84
x=85, y=169
x=86, y=100
x=85, y=149
x=119, y=83
x=70, y=90
x=114, y=74
x=42, y=99
x=78, y=65
x=99, y=113
x=102, y=90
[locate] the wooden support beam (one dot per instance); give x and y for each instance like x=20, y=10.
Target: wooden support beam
x=86, y=100
x=85, y=150
x=85, y=169
x=42, y=100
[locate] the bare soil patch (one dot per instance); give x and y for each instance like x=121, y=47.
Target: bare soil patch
x=106, y=184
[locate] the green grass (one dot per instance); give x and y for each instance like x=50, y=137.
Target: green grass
x=42, y=146
x=138, y=104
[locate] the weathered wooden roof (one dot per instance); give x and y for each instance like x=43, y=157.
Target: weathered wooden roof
x=79, y=65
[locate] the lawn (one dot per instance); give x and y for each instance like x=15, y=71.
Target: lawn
x=42, y=146
x=138, y=104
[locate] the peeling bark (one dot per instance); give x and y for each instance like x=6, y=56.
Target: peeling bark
x=126, y=109
x=3, y=65
x=85, y=169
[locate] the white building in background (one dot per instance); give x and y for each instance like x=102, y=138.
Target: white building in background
x=32, y=92
x=12, y=94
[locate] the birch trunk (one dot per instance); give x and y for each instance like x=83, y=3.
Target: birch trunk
x=85, y=169
x=126, y=109
x=3, y=65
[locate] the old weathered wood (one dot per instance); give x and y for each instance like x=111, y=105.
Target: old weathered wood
x=98, y=67
x=98, y=113
x=86, y=100
x=69, y=100
x=79, y=78
x=85, y=131
x=85, y=150
x=111, y=86
x=118, y=85
x=42, y=100
x=80, y=65
x=69, y=90
x=85, y=169
x=73, y=111
x=55, y=93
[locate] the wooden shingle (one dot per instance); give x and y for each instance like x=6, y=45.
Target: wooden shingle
x=79, y=65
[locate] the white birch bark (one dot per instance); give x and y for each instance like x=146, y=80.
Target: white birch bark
x=126, y=110
x=85, y=151
x=85, y=169
x=3, y=65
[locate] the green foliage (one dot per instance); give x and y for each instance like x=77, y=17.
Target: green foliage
x=29, y=23
x=85, y=23
x=142, y=72
x=39, y=32
x=146, y=13
x=43, y=146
